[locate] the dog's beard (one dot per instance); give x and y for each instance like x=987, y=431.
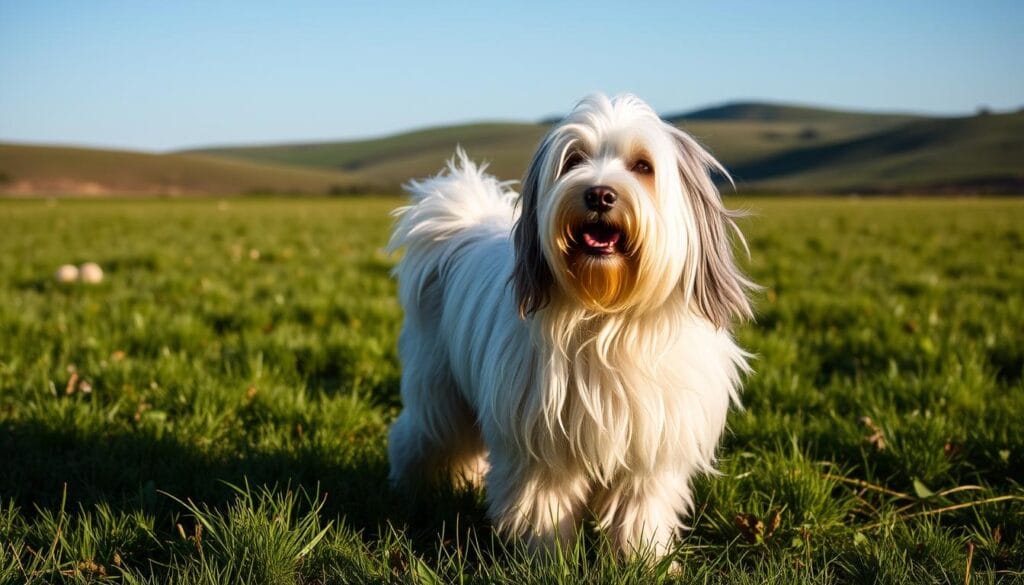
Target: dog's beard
x=602, y=283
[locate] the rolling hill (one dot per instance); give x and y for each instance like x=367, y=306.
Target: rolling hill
x=737, y=133
x=954, y=155
x=773, y=112
x=54, y=170
x=767, y=147
x=390, y=161
x=742, y=132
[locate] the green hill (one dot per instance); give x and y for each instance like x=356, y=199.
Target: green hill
x=392, y=160
x=34, y=170
x=767, y=147
x=972, y=154
x=737, y=133
x=770, y=112
x=742, y=132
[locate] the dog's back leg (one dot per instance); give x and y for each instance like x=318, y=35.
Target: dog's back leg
x=436, y=437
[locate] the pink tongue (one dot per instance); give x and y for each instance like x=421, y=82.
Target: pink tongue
x=593, y=242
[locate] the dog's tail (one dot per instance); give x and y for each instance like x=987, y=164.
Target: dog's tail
x=461, y=196
x=449, y=210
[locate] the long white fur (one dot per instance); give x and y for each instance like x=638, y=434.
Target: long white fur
x=568, y=411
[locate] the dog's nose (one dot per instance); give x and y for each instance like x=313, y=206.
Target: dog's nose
x=600, y=198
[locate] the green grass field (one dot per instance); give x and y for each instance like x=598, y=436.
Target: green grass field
x=216, y=410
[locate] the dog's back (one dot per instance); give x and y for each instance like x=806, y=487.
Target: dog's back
x=455, y=271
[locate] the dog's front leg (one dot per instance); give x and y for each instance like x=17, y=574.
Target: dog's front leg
x=530, y=500
x=642, y=513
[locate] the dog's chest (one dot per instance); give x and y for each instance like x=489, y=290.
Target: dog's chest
x=610, y=415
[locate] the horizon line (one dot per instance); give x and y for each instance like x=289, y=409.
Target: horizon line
x=542, y=121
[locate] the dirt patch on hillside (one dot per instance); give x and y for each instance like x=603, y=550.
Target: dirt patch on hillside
x=79, y=188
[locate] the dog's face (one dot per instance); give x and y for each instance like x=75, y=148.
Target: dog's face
x=619, y=212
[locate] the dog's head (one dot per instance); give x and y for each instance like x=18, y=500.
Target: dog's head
x=619, y=211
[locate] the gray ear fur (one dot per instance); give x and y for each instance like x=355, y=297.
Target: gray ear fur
x=531, y=276
x=720, y=288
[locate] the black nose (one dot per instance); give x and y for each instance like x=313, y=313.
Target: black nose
x=600, y=198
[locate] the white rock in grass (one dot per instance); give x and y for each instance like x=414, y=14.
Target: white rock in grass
x=66, y=273
x=91, y=273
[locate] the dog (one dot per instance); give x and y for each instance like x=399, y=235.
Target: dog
x=570, y=347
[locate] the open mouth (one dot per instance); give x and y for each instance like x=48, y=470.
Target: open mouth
x=600, y=238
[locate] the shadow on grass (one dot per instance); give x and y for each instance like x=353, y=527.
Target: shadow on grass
x=132, y=472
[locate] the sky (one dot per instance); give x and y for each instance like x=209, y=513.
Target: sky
x=157, y=75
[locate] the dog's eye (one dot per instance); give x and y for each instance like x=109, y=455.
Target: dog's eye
x=642, y=167
x=572, y=161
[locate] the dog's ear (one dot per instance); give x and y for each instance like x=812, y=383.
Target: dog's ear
x=720, y=288
x=531, y=275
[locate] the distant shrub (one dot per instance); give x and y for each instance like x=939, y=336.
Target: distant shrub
x=353, y=189
x=809, y=133
x=258, y=191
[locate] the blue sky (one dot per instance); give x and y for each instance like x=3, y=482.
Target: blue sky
x=158, y=75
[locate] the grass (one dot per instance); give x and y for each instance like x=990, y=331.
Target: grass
x=215, y=411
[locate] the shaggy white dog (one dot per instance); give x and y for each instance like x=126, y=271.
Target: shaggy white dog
x=571, y=346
